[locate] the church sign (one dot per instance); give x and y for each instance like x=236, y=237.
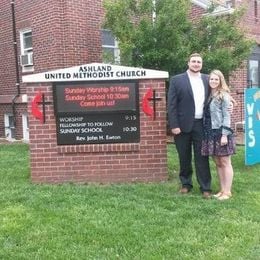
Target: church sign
x=97, y=113
x=96, y=103
x=97, y=123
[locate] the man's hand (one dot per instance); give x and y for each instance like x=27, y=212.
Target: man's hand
x=231, y=107
x=223, y=140
x=176, y=131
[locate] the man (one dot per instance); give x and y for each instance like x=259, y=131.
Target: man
x=187, y=95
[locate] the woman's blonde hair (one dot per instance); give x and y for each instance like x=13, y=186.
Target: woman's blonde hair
x=223, y=87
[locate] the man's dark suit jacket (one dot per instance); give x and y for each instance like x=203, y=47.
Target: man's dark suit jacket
x=181, y=106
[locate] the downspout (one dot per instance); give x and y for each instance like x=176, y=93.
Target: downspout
x=17, y=83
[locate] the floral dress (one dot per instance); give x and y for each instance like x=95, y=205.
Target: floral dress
x=211, y=140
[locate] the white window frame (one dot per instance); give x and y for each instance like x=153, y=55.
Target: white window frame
x=9, y=130
x=115, y=47
x=25, y=50
x=25, y=121
x=229, y=4
x=254, y=58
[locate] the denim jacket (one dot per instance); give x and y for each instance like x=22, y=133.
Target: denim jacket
x=220, y=116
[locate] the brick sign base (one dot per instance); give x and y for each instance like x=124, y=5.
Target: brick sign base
x=143, y=161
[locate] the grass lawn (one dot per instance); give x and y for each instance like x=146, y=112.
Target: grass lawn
x=137, y=221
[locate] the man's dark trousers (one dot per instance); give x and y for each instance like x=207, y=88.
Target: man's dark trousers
x=184, y=143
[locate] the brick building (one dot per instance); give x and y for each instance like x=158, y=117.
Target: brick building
x=58, y=34
x=49, y=34
x=248, y=75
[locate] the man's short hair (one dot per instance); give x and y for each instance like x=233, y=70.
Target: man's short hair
x=195, y=55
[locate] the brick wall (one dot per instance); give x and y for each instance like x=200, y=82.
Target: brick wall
x=7, y=64
x=102, y=163
x=238, y=82
x=196, y=12
x=251, y=19
x=65, y=33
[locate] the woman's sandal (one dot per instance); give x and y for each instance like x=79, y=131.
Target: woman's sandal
x=225, y=196
x=217, y=195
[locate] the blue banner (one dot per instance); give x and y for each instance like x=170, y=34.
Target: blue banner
x=252, y=126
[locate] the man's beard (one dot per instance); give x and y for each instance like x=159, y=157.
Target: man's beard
x=195, y=71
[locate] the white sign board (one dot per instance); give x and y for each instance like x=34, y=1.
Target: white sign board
x=95, y=72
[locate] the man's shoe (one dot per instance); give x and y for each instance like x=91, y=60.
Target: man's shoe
x=206, y=194
x=184, y=190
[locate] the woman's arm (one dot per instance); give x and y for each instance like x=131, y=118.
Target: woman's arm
x=226, y=122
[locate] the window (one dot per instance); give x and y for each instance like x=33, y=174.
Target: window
x=26, y=58
x=254, y=68
x=9, y=127
x=110, y=50
x=253, y=72
x=229, y=4
x=25, y=127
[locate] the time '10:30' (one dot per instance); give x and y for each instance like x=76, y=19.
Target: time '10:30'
x=130, y=129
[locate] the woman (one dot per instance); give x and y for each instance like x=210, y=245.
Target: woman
x=218, y=136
